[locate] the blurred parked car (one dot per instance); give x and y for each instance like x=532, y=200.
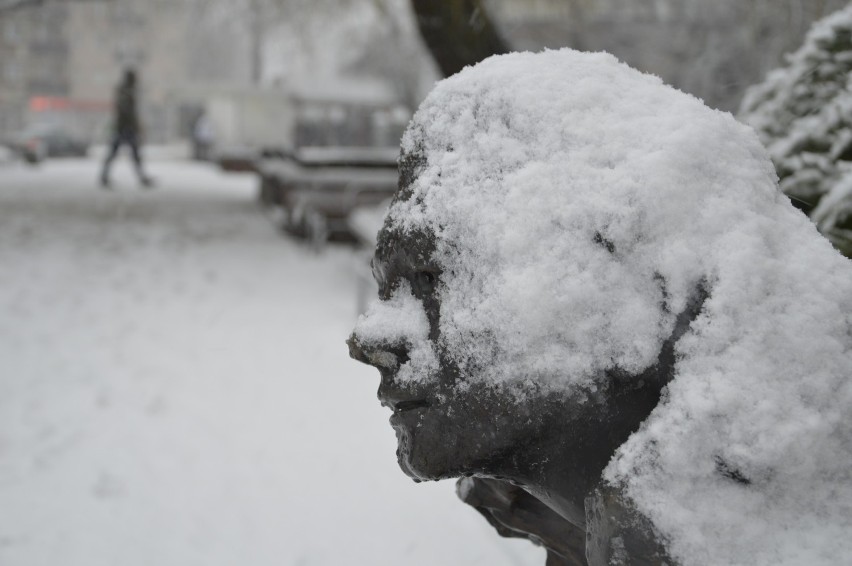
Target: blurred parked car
x=337, y=150
x=46, y=140
x=317, y=188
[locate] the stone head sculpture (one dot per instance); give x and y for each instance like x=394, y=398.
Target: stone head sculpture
x=594, y=305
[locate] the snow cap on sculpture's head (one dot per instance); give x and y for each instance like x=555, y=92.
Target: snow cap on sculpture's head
x=550, y=181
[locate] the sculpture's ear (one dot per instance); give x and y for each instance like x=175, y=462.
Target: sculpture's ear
x=631, y=398
x=694, y=305
x=660, y=374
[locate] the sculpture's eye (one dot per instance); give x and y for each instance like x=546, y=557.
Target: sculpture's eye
x=386, y=284
x=378, y=272
x=424, y=281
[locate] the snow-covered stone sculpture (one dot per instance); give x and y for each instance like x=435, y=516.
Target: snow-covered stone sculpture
x=599, y=310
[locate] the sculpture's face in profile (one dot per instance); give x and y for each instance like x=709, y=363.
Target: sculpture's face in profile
x=445, y=427
x=450, y=419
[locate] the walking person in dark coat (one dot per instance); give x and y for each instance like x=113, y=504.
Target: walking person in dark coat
x=126, y=129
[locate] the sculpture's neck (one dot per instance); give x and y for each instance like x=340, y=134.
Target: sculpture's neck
x=561, y=481
x=563, y=466
x=577, y=523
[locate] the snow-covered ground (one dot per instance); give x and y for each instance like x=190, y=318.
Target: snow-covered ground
x=175, y=389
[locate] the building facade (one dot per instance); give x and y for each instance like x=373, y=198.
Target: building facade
x=61, y=61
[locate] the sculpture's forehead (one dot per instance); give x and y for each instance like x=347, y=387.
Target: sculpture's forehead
x=411, y=163
x=414, y=245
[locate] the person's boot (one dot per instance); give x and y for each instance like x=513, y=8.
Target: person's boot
x=105, y=182
x=146, y=181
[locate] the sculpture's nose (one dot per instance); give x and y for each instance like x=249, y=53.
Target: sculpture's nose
x=377, y=356
x=355, y=351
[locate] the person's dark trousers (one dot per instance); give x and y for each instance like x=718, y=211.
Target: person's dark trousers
x=132, y=140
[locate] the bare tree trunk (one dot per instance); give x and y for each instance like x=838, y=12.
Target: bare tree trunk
x=256, y=31
x=457, y=32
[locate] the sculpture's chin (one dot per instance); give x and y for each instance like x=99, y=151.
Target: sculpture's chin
x=404, y=456
x=416, y=462
x=403, y=451
x=407, y=468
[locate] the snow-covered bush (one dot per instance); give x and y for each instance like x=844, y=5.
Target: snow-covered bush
x=575, y=204
x=803, y=113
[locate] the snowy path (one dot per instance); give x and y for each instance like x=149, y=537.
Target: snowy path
x=175, y=390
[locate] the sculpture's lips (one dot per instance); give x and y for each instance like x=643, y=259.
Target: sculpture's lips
x=400, y=404
x=410, y=405
x=405, y=411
